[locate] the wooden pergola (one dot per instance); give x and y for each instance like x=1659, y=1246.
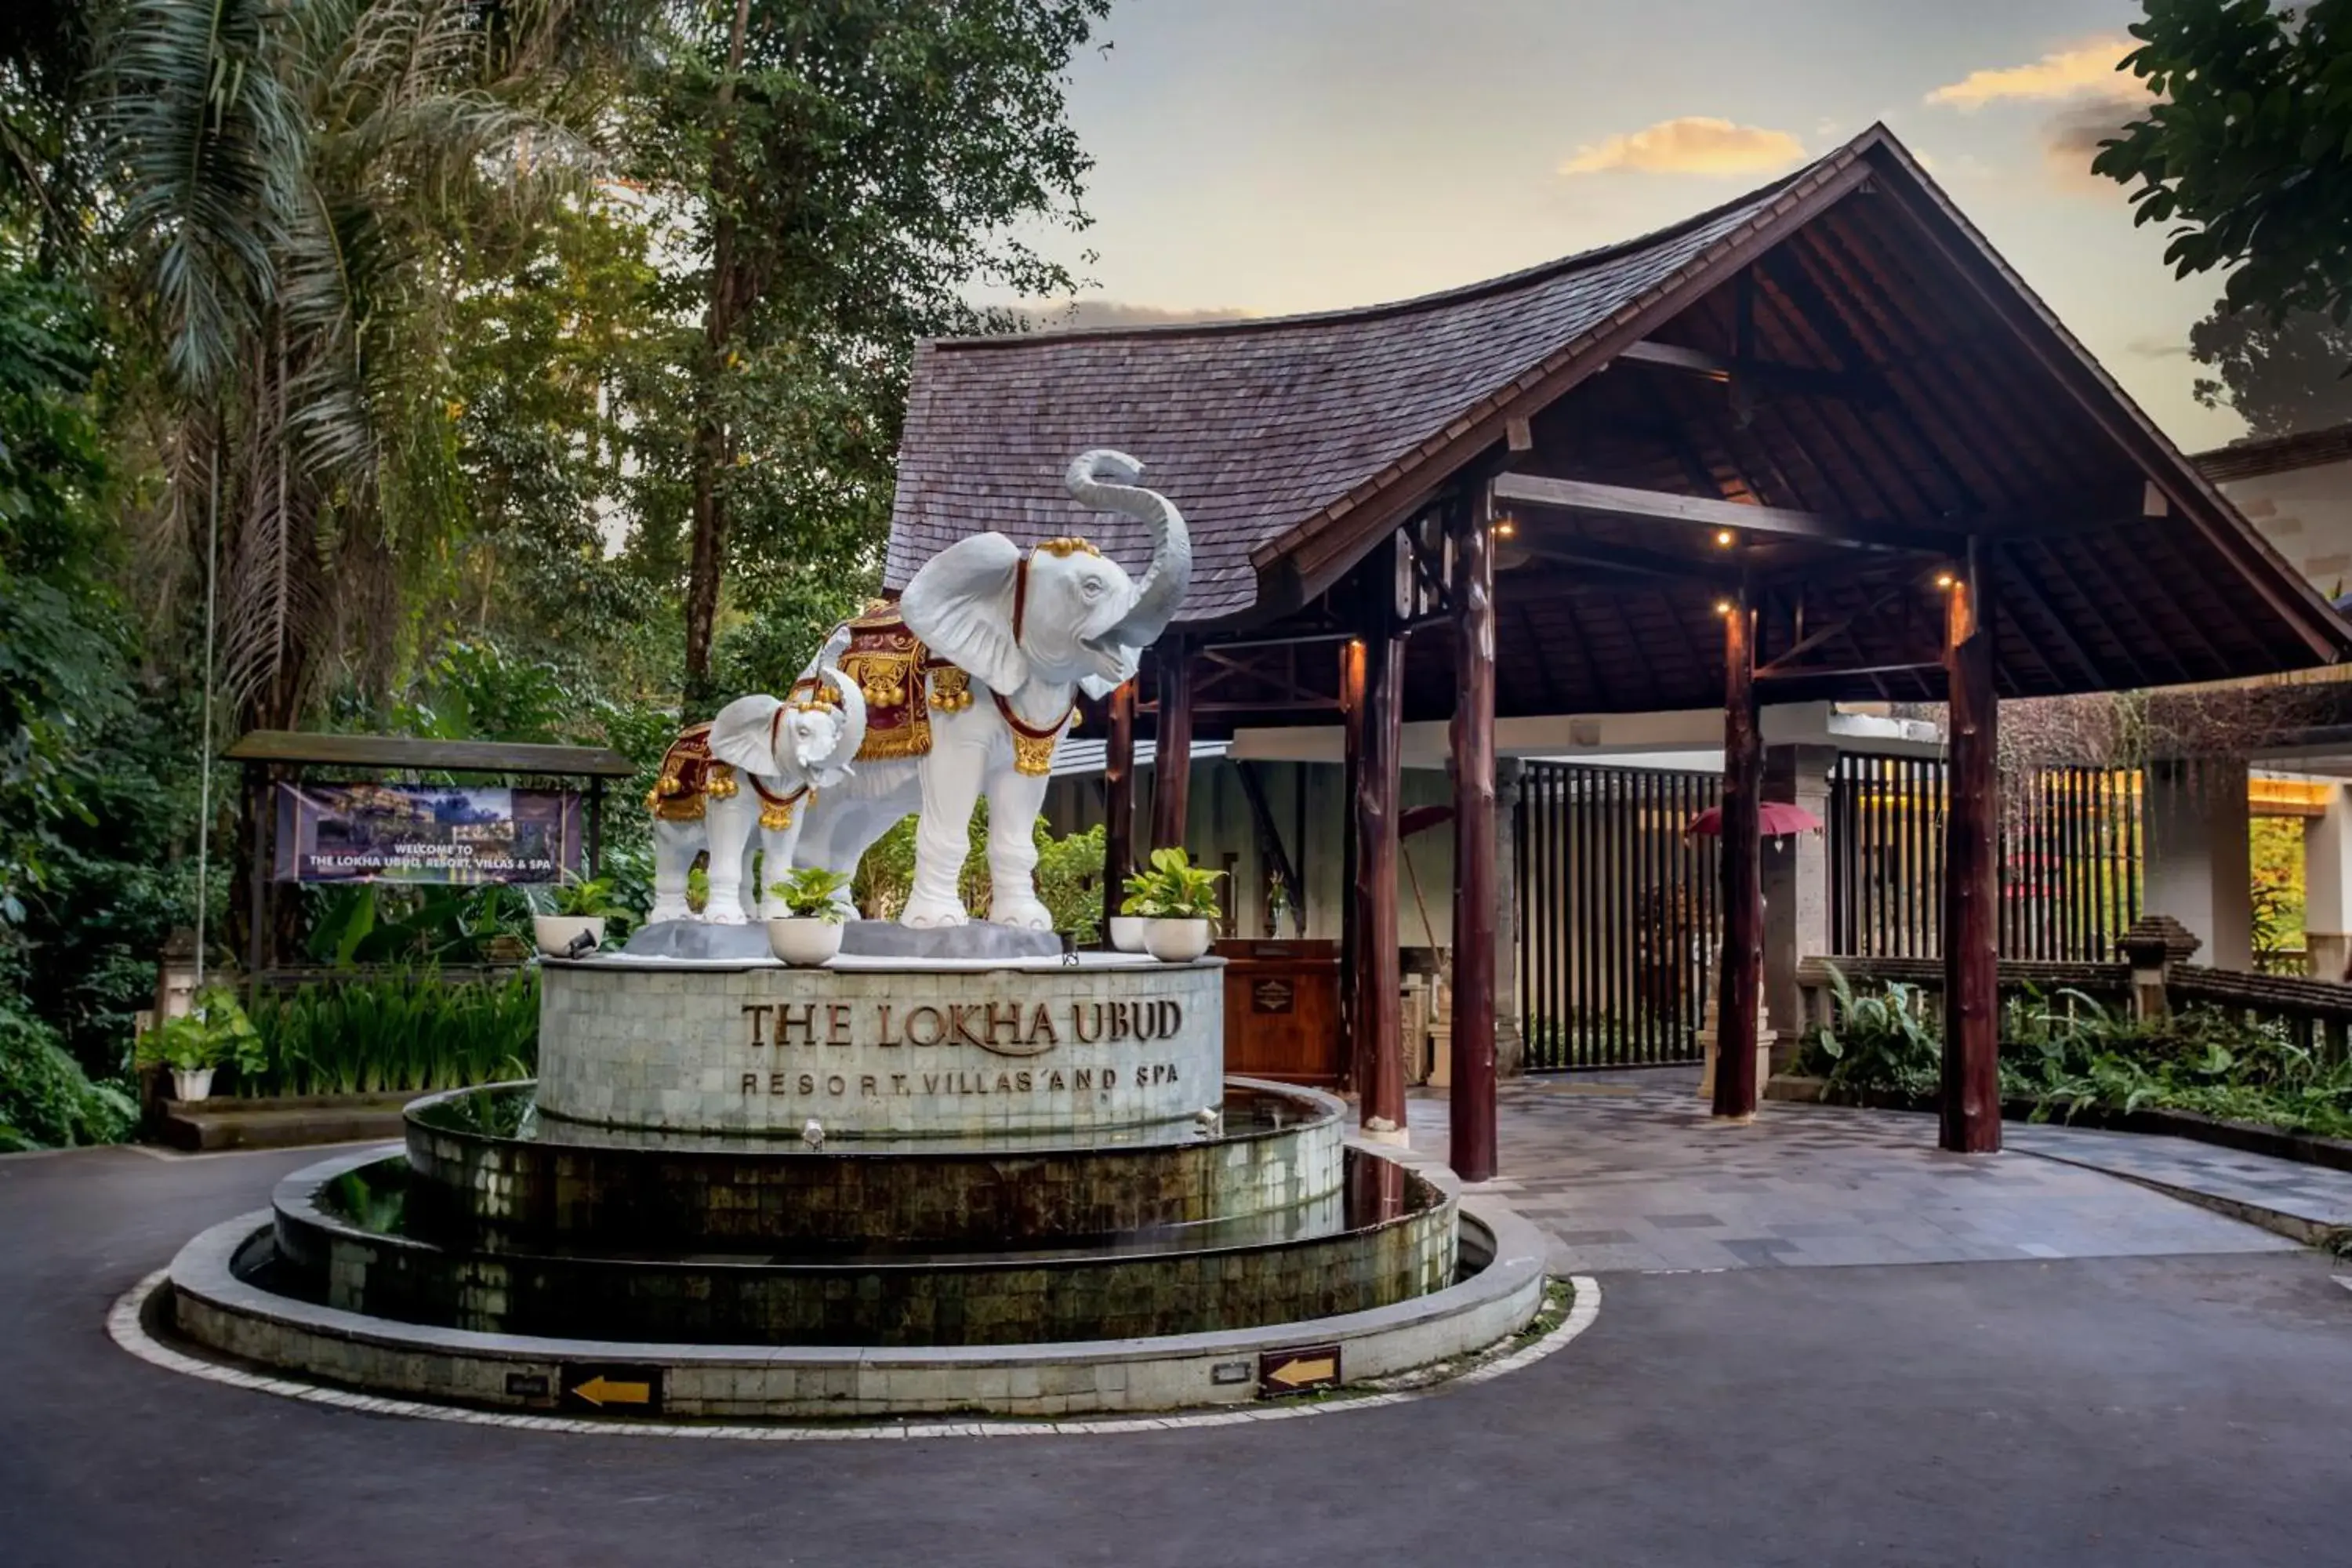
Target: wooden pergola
x=1820, y=442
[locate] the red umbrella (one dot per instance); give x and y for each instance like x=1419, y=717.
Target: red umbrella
x=1417, y=818
x=1777, y=818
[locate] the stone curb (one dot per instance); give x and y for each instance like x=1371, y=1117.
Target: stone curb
x=218, y=1309
x=126, y=1328
x=2279, y=1222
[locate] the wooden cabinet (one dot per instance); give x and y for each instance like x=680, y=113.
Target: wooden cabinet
x=1282, y=1011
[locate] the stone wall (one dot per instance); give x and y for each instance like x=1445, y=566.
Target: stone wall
x=877, y=1050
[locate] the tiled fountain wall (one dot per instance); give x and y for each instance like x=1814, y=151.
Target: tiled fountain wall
x=885, y=1050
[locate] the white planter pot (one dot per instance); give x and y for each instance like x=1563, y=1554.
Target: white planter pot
x=804, y=942
x=1176, y=942
x=556, y=933
x=1126, y=933
x=192, y=1084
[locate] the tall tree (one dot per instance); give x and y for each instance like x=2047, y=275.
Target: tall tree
x=2281, y=377
x=48, y=140
x=853, y=168
x=296, y=174
x=62, y=664
x=2248, y=148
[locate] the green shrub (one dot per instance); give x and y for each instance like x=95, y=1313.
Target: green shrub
x=45, y=1100
x=2069, y=1052
x=1886, y=1039
x=402, y=1031
x=213, y=1032
x=1068, y=876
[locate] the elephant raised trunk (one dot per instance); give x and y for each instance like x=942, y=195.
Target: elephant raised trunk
x=831, y=769
x=1105, y=479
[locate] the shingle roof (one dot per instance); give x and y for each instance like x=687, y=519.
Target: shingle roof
x=1960, y=403
x=1253, y=427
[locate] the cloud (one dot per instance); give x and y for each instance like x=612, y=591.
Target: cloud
x=2087, y=67
x=2071, y=138
x=1694, y=145
x=2152, y=347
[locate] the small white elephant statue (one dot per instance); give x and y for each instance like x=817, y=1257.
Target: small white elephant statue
x=972, y=678
x=745, y=783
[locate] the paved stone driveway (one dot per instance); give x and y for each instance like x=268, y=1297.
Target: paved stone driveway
x=2319, y=1198
x=1627, y=1171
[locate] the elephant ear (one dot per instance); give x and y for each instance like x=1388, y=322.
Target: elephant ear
x=741, y=734
x=960, y=605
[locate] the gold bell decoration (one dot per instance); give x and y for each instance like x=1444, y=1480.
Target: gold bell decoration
x=722, y=785
x=776, y=810
x=950, y=689
x=1033, y=747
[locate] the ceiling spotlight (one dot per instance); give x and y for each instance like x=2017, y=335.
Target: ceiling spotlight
x=1724, y=536
x=1943, y=579
x=1723, y=606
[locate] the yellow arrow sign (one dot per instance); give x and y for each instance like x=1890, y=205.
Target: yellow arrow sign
x=601, y=1391
x=1296, y=1373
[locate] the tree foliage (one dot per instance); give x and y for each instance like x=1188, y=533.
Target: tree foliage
x=851, y=169
x=301, y=183
x=462, y=327
x=2248, y=148
x=2281, y=376
x=61, y=641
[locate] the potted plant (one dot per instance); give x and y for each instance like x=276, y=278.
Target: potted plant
x=1178, y=902
x=809, y=935
x=213, y=1030
x=574, y=907
x=1126, y=933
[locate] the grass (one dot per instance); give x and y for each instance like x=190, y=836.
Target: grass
x=403, y=1032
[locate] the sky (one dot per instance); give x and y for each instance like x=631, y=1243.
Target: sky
x=1269, y=156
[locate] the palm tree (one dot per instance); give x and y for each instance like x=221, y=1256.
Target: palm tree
x=298, y=178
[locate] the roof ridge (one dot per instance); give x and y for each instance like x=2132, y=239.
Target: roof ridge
x=1541, y=271
x=2254, y=455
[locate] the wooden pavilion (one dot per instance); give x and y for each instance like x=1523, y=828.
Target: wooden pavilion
x=1819, y=443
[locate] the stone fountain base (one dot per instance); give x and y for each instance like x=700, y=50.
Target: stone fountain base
x=208, y=1302
x=885, y=1186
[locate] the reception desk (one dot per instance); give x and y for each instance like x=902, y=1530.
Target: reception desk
x=1282, y=1011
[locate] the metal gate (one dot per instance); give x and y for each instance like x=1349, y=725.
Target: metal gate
x=1618, y=930
x=2070, y=859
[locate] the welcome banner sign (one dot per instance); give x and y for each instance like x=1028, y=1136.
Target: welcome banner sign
x=424, y=833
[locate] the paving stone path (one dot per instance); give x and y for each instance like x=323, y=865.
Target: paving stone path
x=2311, y=1195
x=1628, y=1172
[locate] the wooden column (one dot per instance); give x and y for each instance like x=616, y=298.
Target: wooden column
x=1971, y=1099
x=596, y=826
x=261, y=818
x=1171, y=747
x=1351, y=936
x=1118, y=797
x=1472, y=1105
x=1378, y=1021
x=1742, y=969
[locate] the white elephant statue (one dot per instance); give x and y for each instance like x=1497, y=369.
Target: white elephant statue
x=972, y=676
x=745, y=783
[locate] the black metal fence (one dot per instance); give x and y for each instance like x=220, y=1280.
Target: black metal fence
x=2070, y=859
x=1618, y=930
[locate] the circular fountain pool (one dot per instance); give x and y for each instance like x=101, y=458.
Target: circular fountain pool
x=1141, y=1257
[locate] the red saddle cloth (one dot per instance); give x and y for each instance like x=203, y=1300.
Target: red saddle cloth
x=676, y=796
x=900, y=681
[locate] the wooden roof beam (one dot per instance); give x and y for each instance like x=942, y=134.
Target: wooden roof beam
x=1625, y=558
x=1767, y=376
x=1779, y=523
